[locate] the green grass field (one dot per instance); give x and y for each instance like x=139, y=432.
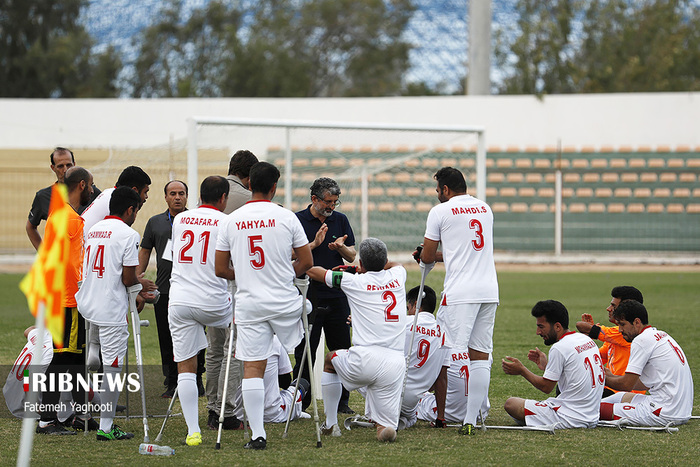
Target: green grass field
x=672, y=298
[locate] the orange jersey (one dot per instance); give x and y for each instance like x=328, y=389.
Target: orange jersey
x=615, y=350
x=74, y=267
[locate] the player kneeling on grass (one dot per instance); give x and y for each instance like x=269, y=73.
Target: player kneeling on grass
x=656, y=363
x=377, y=299
x=574, y=362
x=198, y=297
x=109, y=266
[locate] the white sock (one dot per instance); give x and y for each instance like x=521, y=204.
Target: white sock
x=478, y=388
x=189, y=401
x=331, y=389
x=254, y=403
x=109, y=398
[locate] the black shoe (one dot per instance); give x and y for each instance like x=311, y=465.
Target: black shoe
x=304, y=387
x=258, y=444
x=121, y=408
x=344, y=408
x=232, y=423
x=213, y=420
x=169, y=393
x=78, y=424
x=54, y=428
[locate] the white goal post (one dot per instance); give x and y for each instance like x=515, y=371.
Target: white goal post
x=294, y=137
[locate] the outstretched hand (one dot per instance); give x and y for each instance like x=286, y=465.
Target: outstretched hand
x=538, y=357
x=587, y=318
x=338, y=243
x=512, y=366
x=320, y=236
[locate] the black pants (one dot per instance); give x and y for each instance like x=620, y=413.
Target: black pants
x=63, y=362
x=329, y=315
x=165, y=341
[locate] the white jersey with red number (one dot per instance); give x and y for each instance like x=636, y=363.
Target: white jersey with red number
x=662, y=366
x=260, y=236
x=14, y=385
x=377, y=302
x=428, y=356
x=193, y=281
x=97, y=210
x=575, y=363
x=110, y=246
x=464, y=226
x=277, y=364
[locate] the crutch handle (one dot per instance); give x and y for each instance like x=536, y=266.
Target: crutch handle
x=302, y=284
x=427, y=266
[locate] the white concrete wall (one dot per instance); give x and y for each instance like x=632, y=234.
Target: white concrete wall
x=593, y=120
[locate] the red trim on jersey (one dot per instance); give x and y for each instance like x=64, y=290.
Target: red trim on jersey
x=527, y=412
x=657, y=412
x=208, y=206
x=114, y=217
x=444, y=300
x=645, y=328
x=335, y=354
x=556, y=409
x=565, y=334
x=115, y=363
x=258, y=201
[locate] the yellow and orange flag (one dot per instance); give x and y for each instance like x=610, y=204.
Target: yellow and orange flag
x=46, y=281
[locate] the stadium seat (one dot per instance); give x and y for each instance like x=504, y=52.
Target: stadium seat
x=599, y=163
x=681, y=193
x=636, y=163
x=508, y=191
x=596, y=207
x=648, y=177
x=656, y=163
x=662, y=193
x=675, y=163
x=577, y=208
x=635, y=207
x=629, y=177
x=623, y=192
x=675, y=208
x=603, y=192
x=610, y=177
x=527, y=192
x=591, y=177
x=542, y=163
x=533, y=178
x=539, y=207
x=499, y=207
x=642, y=192
x=515, y=177
x=394, y=191
x=579, y=163
x=686, y=177
x=518, y=207
x=618, y=163
x=667, y=177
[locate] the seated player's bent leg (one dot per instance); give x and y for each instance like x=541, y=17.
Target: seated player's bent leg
x=515, y=407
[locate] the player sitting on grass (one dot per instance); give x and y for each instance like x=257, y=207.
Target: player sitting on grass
x=656, y=363
x=377, y=299
x=573, y=361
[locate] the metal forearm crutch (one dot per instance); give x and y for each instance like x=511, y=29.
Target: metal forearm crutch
x=133, y=291
x=303, y=286
x=223, y=395
x=167, y=415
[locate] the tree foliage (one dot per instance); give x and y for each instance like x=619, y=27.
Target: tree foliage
x=275, y=48
x=44, y=52
x=581, y=46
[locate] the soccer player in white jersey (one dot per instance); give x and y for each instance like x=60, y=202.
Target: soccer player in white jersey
x=278, y=400
x=457, y=396
x=574, y=362
x=258, y=238
x=198, y=297
x=464, y=227
x=109, y=266
x=657, y=364
x=13, y=390
x=377, y=299
x=428, y=356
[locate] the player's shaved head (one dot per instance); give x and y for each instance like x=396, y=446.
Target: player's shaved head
x=75, y=175
x=263, y=177
x=373, y=254
x=213, y=188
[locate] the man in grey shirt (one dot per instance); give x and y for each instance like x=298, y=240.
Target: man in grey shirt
x=238, y=195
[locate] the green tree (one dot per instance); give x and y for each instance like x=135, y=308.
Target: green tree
x=276, y=48
x=44, y=52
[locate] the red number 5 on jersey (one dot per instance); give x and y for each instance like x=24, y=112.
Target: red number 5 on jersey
x=256, y=251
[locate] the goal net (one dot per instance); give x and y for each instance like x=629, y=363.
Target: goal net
x=385, y=171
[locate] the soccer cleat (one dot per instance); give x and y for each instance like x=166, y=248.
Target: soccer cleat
x=344, y=408
x=332, y=431
x=258, y=444
x=388, y=434
x=195, y=439
x=231, y=423
x=169, y=393
x=121, y=408
x=113, y=434
x=54, y=428
x=467, y=429
x=78, y=424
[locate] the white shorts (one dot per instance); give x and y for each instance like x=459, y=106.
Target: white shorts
x=382, y=371
x=468, y=325
x=254, y=340
x=113, y=342
x=643, y=411
x=279, y=414
x=187, y=328
x=541, y=413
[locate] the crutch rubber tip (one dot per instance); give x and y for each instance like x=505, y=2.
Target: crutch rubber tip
x=318, y=444
x=218, y=446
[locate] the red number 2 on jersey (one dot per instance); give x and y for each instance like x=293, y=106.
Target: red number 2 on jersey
x=389, y=296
